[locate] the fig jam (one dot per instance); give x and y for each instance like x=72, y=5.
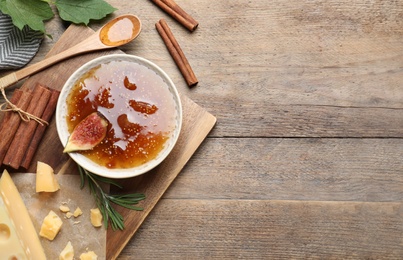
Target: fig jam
x=138, y=106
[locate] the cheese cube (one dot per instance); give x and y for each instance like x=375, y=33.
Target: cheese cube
x=90, y=255
x=64, y=208
x=51, y=226
x=96, y=217
x=77, y=212
x=67, y=253
x=45, y=178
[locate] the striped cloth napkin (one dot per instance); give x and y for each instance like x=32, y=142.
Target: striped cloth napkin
x=17, y=47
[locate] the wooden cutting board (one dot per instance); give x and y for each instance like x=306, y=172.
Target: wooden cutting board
x=197, y=123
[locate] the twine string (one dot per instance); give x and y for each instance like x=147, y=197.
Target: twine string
x=25, y=116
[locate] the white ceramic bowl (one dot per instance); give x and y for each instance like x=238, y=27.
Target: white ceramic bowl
x=62, y=127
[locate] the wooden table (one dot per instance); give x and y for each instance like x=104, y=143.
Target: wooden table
x=306, y=158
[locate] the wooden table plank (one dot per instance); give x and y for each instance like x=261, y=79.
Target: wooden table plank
x=294, y=169
x=250, y=229
x=262, y=119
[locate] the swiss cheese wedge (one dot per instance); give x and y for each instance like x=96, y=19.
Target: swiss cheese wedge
x=22, y=242
x=10, y=244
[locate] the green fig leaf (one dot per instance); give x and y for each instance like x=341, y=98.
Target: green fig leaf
x=82, y=11
x=30, y=13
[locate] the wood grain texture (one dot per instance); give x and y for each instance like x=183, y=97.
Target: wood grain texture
x=259, y=229
x=305, y=161
x=293, y=169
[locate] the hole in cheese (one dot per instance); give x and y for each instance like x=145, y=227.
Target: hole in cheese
x=4, y=232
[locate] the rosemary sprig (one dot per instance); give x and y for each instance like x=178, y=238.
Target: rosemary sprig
x=104, y=200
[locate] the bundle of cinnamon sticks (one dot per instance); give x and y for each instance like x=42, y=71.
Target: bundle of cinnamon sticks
x=19, y=138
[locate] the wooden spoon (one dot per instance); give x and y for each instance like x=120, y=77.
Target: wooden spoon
x=116, y=32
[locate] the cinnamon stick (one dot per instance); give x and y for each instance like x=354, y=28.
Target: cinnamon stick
x=176, y=52
x=26, y=130
x=14, y=99
x=174, y=10
x=174, y=6
x=40, y=130
x=14, y=121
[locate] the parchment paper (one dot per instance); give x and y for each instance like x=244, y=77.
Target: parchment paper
x=79, y=231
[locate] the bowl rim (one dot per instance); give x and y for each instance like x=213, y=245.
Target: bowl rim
x=84, y=162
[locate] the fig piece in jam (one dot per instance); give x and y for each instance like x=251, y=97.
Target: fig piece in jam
x=87, y=134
